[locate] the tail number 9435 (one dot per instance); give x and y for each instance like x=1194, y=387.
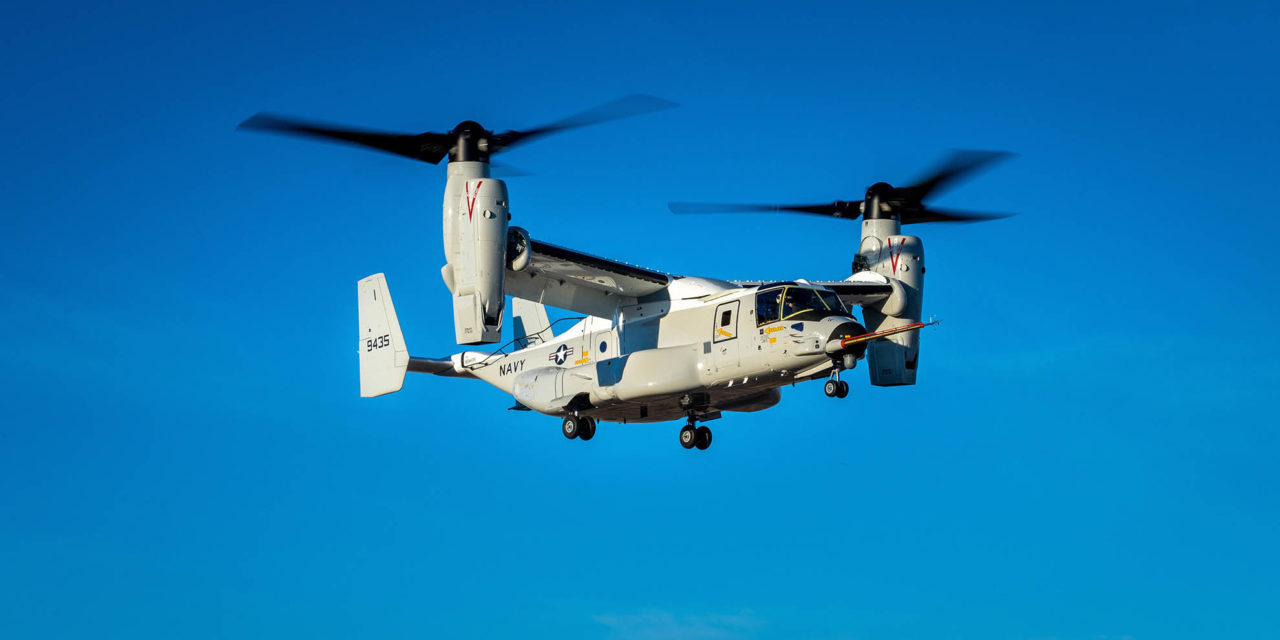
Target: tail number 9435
x=377, y=343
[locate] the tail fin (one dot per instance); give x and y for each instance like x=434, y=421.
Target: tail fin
x=383, y=354
x=529, y=323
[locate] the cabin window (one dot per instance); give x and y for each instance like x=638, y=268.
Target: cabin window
x=726, y=317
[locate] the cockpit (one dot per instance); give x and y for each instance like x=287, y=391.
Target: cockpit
x=796, y=303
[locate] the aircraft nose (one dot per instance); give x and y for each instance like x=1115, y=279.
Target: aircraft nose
x=848, y=329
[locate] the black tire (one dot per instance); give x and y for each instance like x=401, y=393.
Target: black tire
x=844, y=389
x=703, y=438
x=831, y=388
x=571, y=427
x=588, y=429
x=688, y=436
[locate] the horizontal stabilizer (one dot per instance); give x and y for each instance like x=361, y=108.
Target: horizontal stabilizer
x=439, y=367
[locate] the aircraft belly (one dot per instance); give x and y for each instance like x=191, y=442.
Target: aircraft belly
x=666, y=408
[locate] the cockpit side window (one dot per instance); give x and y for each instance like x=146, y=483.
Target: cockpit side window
x=799, y=300
x=833, y=301
x=796, y=303
x=768, y=303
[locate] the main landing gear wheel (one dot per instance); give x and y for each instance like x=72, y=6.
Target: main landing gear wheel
x=571, y=427
x=702, y=438
x=843, y=390
x=588, y=429
x=688, y=436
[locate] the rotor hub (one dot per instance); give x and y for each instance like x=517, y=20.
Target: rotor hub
x=468, y=128
x=876, y=205
x=881, y=190
x=471, y=143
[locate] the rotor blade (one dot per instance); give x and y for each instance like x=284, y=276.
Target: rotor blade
x=427, y=147
x=627, y=107
x=950, y=215
x=504, y=170
x=957, y=165
x=838, y=209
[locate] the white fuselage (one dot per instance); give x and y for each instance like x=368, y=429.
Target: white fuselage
x=637, y=366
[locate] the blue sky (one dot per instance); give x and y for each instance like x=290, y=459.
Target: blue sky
x=1089, y=453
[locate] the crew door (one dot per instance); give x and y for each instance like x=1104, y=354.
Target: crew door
x=608, y=365
x=724, y=336
x=603, y=346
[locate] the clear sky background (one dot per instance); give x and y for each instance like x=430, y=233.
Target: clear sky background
x=1090, y=452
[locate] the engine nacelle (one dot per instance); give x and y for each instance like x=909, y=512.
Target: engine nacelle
x=892, y=361
x=519, y=249
x=476, y=249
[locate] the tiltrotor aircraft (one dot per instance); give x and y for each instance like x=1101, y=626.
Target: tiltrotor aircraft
x=652, y=346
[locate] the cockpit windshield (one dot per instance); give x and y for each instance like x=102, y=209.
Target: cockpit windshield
x=796, y=303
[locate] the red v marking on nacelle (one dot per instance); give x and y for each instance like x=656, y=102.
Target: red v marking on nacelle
x=471, y=200
x=893, y=255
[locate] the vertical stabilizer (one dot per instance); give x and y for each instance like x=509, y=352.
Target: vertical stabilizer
x=529, y=323
x=383, y=354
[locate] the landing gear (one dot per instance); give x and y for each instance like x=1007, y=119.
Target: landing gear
x=702, y=437
x=835, y=387
x=694, y=436
x=831, y=388
x=578, y=427
x=571, y=427
x=688, y=436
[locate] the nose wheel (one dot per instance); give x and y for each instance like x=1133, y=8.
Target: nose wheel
x=836, y=388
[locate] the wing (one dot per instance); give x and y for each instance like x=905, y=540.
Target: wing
x=859, y=293
x=581, y=282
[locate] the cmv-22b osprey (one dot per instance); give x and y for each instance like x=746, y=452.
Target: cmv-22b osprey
x=652, y=347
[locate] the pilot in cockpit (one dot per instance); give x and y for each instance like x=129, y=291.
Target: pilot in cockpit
x=769, y=304
x=789, y=307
